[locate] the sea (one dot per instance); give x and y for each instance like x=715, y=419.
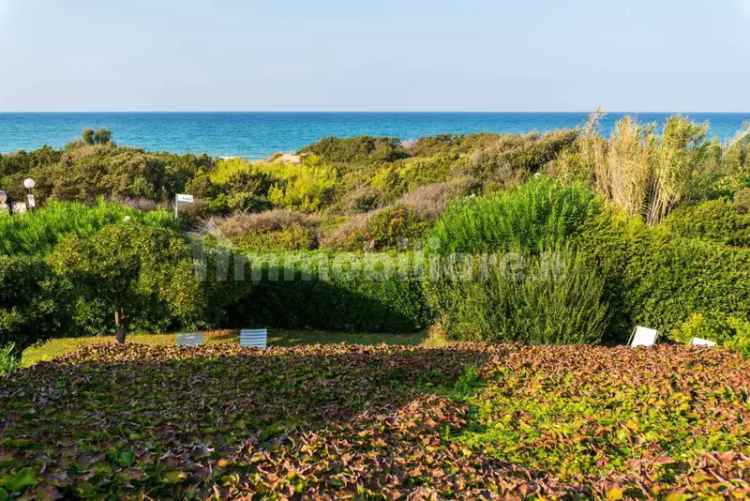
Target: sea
x=257, y=135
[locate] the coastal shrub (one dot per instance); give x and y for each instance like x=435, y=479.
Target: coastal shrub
x=555, y=297
x=34, y=303
x=86, y=172
x=540, y=214
x=395, y=179
x=344, y=292
x=357, y=149
x=667, y=279
x=717, y=221
x=363, y=199
x=140, y=276
x=307, y=186
x=431, y=200
x=304, y=187
x=37, y=233
x=275, y=230
x=508, y=159
x=396, y=227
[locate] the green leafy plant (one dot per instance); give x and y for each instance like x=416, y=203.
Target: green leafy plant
x=556, y=297
x=536, y=216
x=9, y=359
x=38, y=232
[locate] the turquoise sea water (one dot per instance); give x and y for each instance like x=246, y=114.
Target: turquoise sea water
x=258, y=135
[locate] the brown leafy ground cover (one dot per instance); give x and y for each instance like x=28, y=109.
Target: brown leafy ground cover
x=345, y=421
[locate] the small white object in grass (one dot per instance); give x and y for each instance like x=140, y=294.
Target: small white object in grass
x=696, y=341
x=643, y=336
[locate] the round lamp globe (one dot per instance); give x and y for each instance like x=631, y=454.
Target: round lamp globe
x=29, y=183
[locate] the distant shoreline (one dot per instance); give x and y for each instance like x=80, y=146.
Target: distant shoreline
x=257, y=135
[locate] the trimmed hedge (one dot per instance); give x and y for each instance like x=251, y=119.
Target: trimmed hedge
x=658, y=279
x=714, y=221
x=345, y=292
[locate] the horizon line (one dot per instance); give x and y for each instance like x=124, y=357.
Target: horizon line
x=370, y=112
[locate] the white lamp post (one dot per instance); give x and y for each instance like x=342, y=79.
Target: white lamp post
x=29, y=184
x=3, y=201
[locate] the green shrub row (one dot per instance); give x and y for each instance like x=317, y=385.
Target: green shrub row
x=627, y=273
x=346, y=292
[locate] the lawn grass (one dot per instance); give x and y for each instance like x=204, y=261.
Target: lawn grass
x=55, y=348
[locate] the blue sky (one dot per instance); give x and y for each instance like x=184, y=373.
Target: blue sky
x=375, y=55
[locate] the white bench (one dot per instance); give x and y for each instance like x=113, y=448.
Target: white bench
x=190, y=340
x=643, y=336
x=254, y=338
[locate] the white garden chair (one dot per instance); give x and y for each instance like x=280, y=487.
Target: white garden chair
x=643, y=336
x=191, y=340
x=254, y=338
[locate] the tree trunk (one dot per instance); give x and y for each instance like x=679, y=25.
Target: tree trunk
x=122, y=325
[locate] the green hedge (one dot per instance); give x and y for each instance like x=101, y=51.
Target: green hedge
x=667, y=279
x=34, y=302
x=345, y=292
x=659, y=279
x=717, y=221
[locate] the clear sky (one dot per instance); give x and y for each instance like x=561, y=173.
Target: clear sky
x=375, y=55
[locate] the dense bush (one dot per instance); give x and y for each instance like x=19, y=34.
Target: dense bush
x=659, y=279
x=85, y=172
x=38, y=232
x=667, y=279
x=307, y=186
x=556, y=297
x=130, y=275
x=506, y=158
x=276, y=230
x=395, y=179
x=373, y=293
x=34, y=303
x=387, y=228
x=715, y=220
x=357, y=149
x=539, y=215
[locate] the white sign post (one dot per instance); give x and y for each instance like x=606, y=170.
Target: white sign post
x=181, y=198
